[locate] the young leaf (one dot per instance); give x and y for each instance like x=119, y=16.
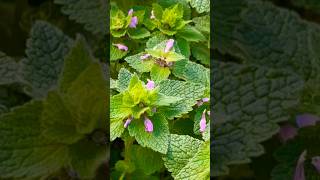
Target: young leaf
x=76, y=61
x=116, y=54
x=159, y=73
x=158, y=139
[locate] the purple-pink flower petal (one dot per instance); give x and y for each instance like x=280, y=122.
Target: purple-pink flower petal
x=134, y=22
x=169, y=45
x=148, y=125
x=121, y=47
x=150, y=85
x=316, y=163
x=203, y=122
x=287, y=132
x=128, y=121
x=205, y=99
x=145, y=56
x=305, y=120
x=299, y=172
x=130, y=12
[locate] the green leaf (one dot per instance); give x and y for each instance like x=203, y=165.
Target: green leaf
x=138, y=64
x=124, y=78
x=116, y=54
x=158, y=139
x=86, y=157
x=201, y=5
x=158, y=11
x=138, y=33
x=159, y=73
x=117, y=108
x=145, y=159
x=263, y=98
x=155, y=40
x=201, y=52
x=188, y=158
x=202, y=23
x=185, y=90
x=9, y=70
x=184, y=47
x=25, y=152
x=45, y=52
x=57, y=121
x=191, y=34
x=116, y=128
x=76, y=61
x=87, y=97
x=91, y=13
x=166, y=100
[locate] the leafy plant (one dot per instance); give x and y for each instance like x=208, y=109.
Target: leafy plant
x=158, y=82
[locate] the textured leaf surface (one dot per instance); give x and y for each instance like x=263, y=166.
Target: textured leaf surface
x=188, y=158
x=9, y=69
x=92, y=13
x=138, y=64
x=158, y=139
x=24, y=151
x=201, y=5
x=116, y=54
x=124, y=77
x=45, y=52
x=249, y=101
x=261, y=33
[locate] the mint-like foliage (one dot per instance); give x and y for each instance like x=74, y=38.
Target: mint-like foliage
x=158, y=82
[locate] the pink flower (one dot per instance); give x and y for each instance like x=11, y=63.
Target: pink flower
x=148, y=125
x=287, y=132
x=203, y=122
x=316, y=163
x=121, y=47
x=130, y=12
x=205, y=99
x=146, y=56
x=152, y=15
x=299, y=172
x=128, y=121
x=169, y=45
x=305, y=120
x=150, y=85
x=134, y=22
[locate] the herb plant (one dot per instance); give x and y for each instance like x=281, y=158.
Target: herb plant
x=159, y=108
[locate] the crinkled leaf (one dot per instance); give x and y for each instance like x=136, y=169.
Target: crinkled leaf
x=9, y=69
x=248, y=96
x=116, y=128
x=158, y=139
x=124, y=77
x=202, y=23
x=45, y=52
x=24, y=151
x=140, y=65
x=91, y=13
x=202, y=53
x=188, y=158
x=201, y=5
